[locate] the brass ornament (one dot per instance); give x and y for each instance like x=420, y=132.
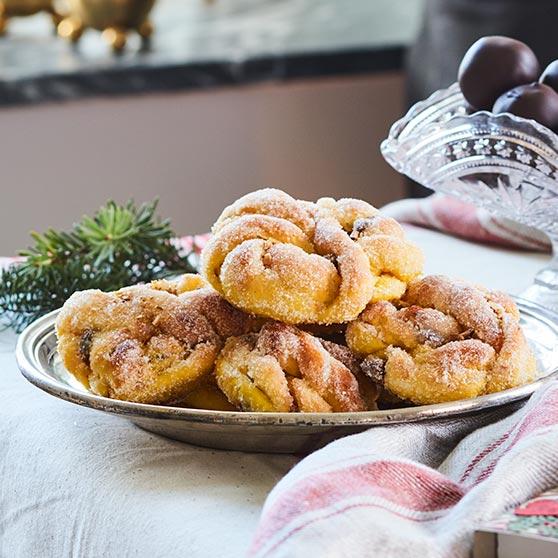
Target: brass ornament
x=114, y=18
x=18, y=8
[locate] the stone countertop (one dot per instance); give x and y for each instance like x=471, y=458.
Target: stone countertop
x=202, y=45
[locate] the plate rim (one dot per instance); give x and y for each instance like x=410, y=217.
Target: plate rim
x=31, y=337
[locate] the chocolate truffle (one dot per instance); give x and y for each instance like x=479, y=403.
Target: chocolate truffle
x=550, y=75
x=494, y=65
x=535, y=100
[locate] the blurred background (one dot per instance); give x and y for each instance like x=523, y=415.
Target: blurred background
x=222, y=98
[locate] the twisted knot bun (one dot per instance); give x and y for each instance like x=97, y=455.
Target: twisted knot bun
x=300, y=262
x=284, y=369
x=445, y=340
x=150, y=344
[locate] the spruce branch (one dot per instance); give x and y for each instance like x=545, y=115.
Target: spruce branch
x=120, y=245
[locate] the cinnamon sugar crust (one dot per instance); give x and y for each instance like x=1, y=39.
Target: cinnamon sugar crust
x=302, y=262
x=445, y=340
x=284, y=369
x=369, y=387
x=146, y=343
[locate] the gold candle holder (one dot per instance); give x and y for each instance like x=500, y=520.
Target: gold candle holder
x=17, y=8
x=114, y=18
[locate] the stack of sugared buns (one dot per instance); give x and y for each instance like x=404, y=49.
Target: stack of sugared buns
x=299, y=307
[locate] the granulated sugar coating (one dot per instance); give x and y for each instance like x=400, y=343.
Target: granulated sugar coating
x=303, y=262
x=445, y=340
x=285, y=369
x=146, y=343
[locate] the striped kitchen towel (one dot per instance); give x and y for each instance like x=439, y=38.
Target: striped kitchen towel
x=459, y=218
x=413, y=490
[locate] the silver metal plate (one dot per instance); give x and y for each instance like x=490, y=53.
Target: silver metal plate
x=39, y=362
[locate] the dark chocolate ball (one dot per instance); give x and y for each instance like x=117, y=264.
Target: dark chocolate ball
x=535, y=100
x=550, y=75
x=494, y=65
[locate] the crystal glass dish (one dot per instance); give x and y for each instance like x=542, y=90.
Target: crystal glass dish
x=500, y=162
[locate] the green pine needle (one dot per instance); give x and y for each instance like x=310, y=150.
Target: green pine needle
x=120, y=245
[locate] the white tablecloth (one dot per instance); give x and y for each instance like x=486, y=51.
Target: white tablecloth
x=77, y=483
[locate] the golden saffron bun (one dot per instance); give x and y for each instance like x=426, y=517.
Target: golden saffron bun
x=146, y=343
x=444, y=340
x=307, y=263
x=283, y=369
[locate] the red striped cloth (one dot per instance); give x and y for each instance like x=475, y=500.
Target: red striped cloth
x=412, y=490
x=193, y=243
x=456, y=217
